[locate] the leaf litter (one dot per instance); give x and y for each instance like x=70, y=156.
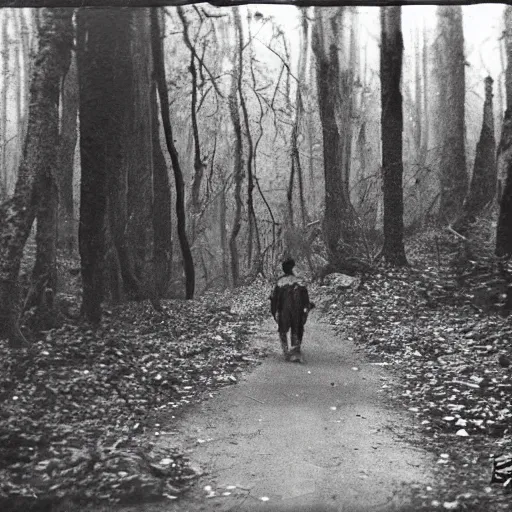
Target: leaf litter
x=79, y=410
x=450, y=350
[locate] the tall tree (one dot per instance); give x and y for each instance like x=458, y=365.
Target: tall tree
x=483, y=182
x=39, y=159
x=158, y=56
x=391, y=51
x=102, y=42
x=139, y=152
x=334, y=83
x=450, y=124
x=299, y=113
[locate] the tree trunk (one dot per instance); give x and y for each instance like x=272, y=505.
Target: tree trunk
x=162, y=225
x=504, y=229
x=101, y=42
x=139, y=152
x=39, y=160
x=67, y=146
x=502, y=157
x=238, y=172
x=44, y=275
x=483, y=182
x=18, y=84
x=426, y=113
x=333, y=102
x=251, y=214
x=27, y=68
x=198, y=164
x=450, y=70
x=391, y=50
x=3, y=116
x=508, y=51
x=223, y=234
x=299, y=113
x=188, y=262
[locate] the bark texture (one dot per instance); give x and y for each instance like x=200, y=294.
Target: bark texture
x=138, y=151
x=101, y=38
x=450, y=75
x=391, y=51
x=38, y=163
x=503, y=156
x=504, y=229
x=334, y=83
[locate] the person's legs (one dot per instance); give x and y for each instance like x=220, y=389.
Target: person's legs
x=284, y=343
x=300, y=333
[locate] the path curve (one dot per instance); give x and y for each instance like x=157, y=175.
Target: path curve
x=315, y=436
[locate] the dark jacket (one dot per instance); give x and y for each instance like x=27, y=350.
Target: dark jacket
x=289, y=302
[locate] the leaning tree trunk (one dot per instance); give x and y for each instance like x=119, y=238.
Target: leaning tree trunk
x=450, y=65
x=483, y=182
x=162, y=225
x=159, y=65
x=333, y=84
x=39, y=160
x=391, y=50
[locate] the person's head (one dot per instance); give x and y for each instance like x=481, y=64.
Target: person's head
x=288, y=265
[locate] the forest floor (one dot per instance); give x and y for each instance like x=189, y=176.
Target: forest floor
x=168, y=405
x=293, y=437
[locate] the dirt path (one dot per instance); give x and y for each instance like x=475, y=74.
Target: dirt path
x=315, y=436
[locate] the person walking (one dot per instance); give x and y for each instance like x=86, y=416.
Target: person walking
x=290, y=306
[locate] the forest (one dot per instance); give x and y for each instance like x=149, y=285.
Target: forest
x=160, y=163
